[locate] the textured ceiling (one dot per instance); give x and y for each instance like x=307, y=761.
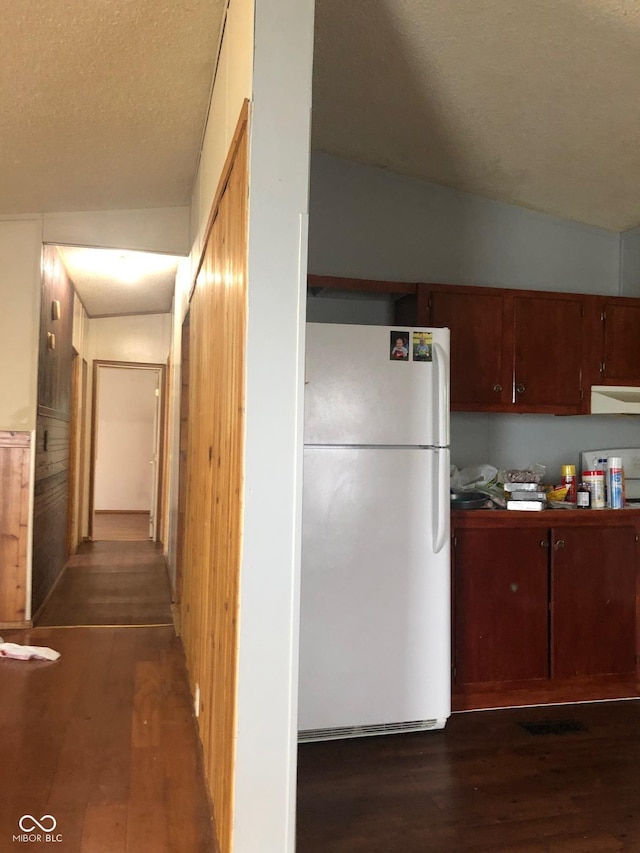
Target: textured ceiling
x=103, y=106
x=103, y=102
x=535, y=103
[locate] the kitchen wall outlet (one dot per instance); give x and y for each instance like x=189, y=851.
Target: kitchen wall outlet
x=196, y=701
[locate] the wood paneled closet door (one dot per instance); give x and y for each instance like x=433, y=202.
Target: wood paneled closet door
x=215, y=465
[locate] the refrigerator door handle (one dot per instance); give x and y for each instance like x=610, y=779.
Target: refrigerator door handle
x=441, y=395
x=440, y=504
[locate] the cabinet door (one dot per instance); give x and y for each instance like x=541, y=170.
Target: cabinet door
x=621, y=361
x=548, y=354
x=480, y=371
x=593, y=600
x=501, y=611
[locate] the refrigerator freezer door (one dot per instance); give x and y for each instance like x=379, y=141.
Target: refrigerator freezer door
x=356, y=393
x=375, y=597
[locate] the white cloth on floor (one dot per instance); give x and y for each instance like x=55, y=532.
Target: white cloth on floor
x=15, y=650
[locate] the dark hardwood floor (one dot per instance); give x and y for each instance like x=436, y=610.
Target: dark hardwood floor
x=120, y=526
x=485, y=783
x=111, y=583
x=103, y=740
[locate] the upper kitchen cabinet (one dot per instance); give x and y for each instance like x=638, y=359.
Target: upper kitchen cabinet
x=481, y=343
x=620, y=347
x=511, y=351
x=547, y=364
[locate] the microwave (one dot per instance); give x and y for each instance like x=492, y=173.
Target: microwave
x=591, y=460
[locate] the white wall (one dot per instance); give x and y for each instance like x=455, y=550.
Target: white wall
x=232, y=86
x=369, y=223
x=266, y=751
x=630, y=263
x=139, y=338
x=125, y=438
x=164, y=230
x=511, y=441
x=20, y=282
x=327, y=309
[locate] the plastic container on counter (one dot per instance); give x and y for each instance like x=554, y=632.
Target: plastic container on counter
x=595, y=482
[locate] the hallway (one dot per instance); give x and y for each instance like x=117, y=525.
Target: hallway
x=111, y=583
x=103, y=740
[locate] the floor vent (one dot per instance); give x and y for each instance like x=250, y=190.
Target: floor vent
x=553, y=727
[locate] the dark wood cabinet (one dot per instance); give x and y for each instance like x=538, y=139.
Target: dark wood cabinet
x=620, y=363
x=548, y=336
x=511, y=351
x=516, y=350
x=544, y=609
x=480, y=345
x=501, y=605
x=593, y=600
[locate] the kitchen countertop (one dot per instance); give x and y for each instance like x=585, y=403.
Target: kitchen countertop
x=545, y=517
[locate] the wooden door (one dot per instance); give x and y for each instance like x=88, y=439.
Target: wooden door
x=480, y=346
x=621, y=359
x=593, y=600
x=548, y=337
x=500, y=605
x=211, y=558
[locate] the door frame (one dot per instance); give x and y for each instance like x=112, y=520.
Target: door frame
x=77, y=440
x=159, y=469
x=185, y=349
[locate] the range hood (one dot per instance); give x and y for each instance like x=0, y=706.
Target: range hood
x=615, y=400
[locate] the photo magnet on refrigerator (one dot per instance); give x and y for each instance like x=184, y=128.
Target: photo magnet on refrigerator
x=399, y=346
x=422, y=343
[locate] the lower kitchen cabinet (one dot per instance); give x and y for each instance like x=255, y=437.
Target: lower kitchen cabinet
x=541, y=608
x=593, y=601
x=501, y=611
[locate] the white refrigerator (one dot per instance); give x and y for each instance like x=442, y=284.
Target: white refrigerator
x=375, y=630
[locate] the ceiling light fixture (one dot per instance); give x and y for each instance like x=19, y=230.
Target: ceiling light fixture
x=122, y=266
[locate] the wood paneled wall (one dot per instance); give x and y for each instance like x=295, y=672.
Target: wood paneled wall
x=51, y=494
x=213, y=516
x=14, y=525
x=54, y=366
x=52, y=429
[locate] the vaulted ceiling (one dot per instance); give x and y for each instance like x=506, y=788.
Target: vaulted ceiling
x=535, y=103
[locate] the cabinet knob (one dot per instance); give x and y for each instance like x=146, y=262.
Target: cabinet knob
x=559, y=544
x=497, y=387
x=544, y=543
x=520, y=388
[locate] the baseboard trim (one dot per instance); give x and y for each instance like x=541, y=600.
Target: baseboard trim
x=121, y=512
x=16, y=626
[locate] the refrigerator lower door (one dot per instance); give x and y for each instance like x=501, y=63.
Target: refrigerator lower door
x=375, y=598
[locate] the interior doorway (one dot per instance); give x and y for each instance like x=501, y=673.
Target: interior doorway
x=127, y=448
